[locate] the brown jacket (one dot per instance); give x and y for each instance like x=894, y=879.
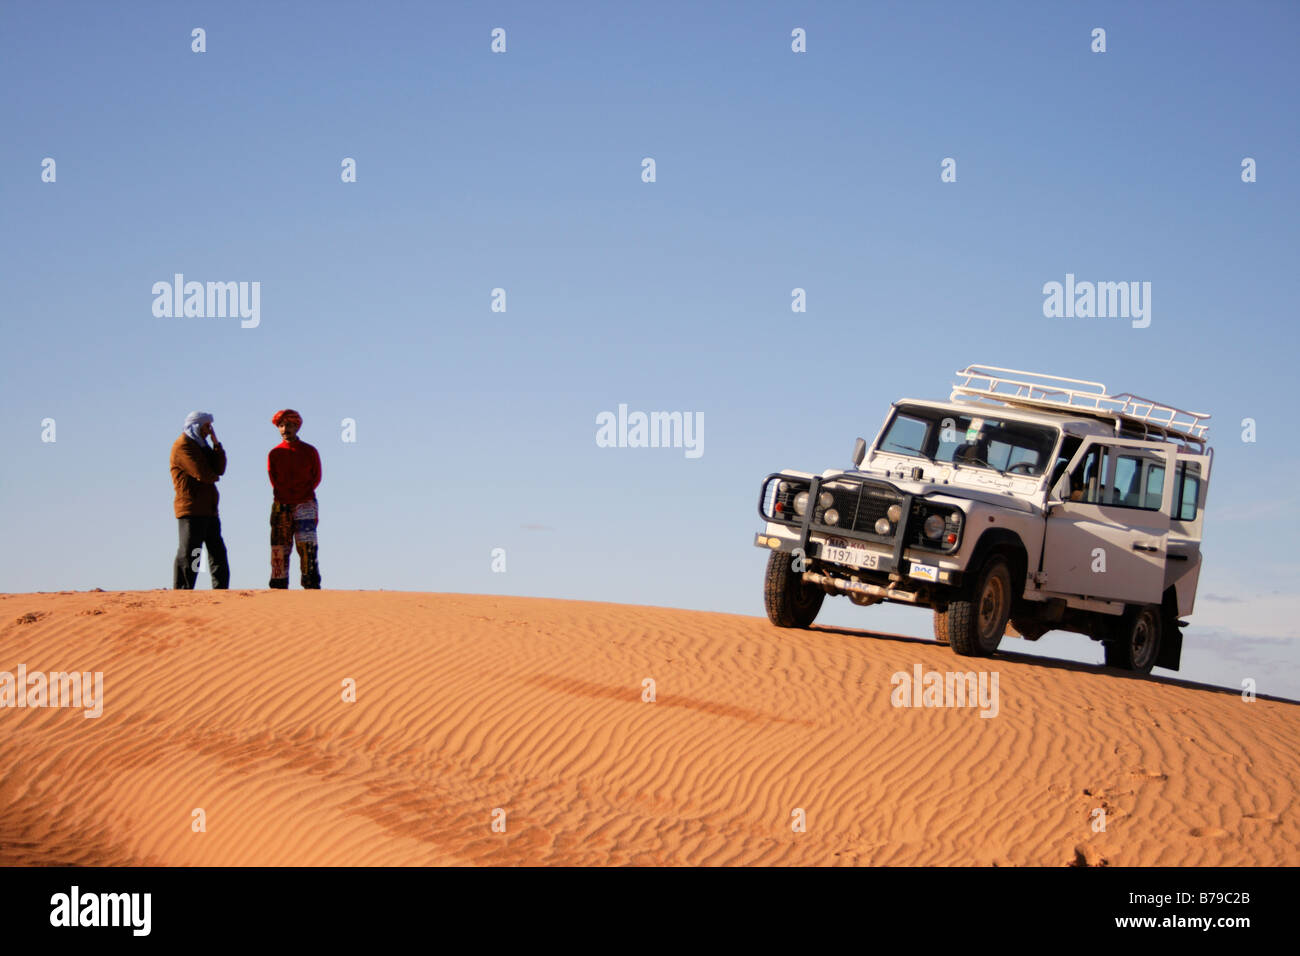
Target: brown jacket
x=196, y=468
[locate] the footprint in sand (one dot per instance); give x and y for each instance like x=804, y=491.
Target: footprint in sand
x=1209, y=832
x=1085, y=855
x=1262, y=817
x=1149, y=774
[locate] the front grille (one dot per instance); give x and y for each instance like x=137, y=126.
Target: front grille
x=861, y=504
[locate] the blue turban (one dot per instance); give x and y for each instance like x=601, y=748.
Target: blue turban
x=192, y=423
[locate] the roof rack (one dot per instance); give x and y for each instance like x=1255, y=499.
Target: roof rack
x=1036, y=390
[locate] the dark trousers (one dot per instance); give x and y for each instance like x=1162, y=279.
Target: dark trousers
x=197, y=532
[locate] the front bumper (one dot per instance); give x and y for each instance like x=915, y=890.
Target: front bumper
x=894, y=569
x=814, y=545
x=920, y=569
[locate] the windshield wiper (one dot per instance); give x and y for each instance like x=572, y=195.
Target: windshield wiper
x=978, y=460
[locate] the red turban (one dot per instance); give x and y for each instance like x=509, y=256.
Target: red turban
x=286, y=415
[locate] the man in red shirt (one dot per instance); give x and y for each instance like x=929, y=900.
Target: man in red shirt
x=294, y=467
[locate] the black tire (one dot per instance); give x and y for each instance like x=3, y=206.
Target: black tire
x=975, y=626
x=788, y=600
x=1136, y=644
x=941, y=627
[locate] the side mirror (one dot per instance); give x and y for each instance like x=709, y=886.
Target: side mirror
x=859, y=452
x=1062, y=490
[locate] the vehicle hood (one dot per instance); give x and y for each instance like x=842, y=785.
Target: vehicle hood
x=940, y=489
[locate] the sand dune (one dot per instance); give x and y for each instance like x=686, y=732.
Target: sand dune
x=232, y=702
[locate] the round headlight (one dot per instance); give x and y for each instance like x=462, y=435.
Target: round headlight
x=882, y=526
x=831, y=517
x=783, y=487
x=933, y=526
x=801, y=502
x=825, y=499
x=895, y=513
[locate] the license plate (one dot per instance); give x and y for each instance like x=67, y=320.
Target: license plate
x=842, y=551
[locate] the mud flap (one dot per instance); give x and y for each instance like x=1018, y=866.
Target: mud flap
x=1171, y=648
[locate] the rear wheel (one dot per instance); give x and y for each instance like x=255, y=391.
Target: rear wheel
x=1136, y=644
x=974, y=626
x=789, y=601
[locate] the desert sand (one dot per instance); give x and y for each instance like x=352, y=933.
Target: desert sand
x=232, y=703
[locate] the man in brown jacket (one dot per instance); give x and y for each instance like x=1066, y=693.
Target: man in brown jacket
x=196, y=468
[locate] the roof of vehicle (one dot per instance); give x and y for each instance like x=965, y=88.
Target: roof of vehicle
x=1079, y=404
x=1072, y=424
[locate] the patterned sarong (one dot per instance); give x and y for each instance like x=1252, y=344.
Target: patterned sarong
x=294, y=525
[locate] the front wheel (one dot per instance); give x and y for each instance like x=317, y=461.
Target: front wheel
x=1137, y=643
x=974, y=627
x=790, y=602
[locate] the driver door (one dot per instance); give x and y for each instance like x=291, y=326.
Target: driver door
x=1108, y=539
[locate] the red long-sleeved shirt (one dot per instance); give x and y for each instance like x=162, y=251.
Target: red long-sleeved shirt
x=295, y=472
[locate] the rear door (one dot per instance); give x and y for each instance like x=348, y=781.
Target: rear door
x=1110, y=539
x=1183, y=567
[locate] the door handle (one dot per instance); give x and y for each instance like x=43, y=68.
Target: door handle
x=1145, y=547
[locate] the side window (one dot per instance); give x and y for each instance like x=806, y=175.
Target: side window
x=1187, y=492
x=1068, y=448
x=1085, y=480
x=1139, y=482
x=1155, y=487
x=1138, y=479
x=1125, y=492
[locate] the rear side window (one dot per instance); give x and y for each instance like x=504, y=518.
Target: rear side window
x=1188, y=491
x=1139, y=483
x=1138, y=480
x=1155, y=489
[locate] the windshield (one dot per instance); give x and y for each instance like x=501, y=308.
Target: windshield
x=968, y=438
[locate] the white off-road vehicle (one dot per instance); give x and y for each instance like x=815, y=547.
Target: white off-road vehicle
x=1027, y=500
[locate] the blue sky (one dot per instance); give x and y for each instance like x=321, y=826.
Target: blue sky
x=522, y=171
